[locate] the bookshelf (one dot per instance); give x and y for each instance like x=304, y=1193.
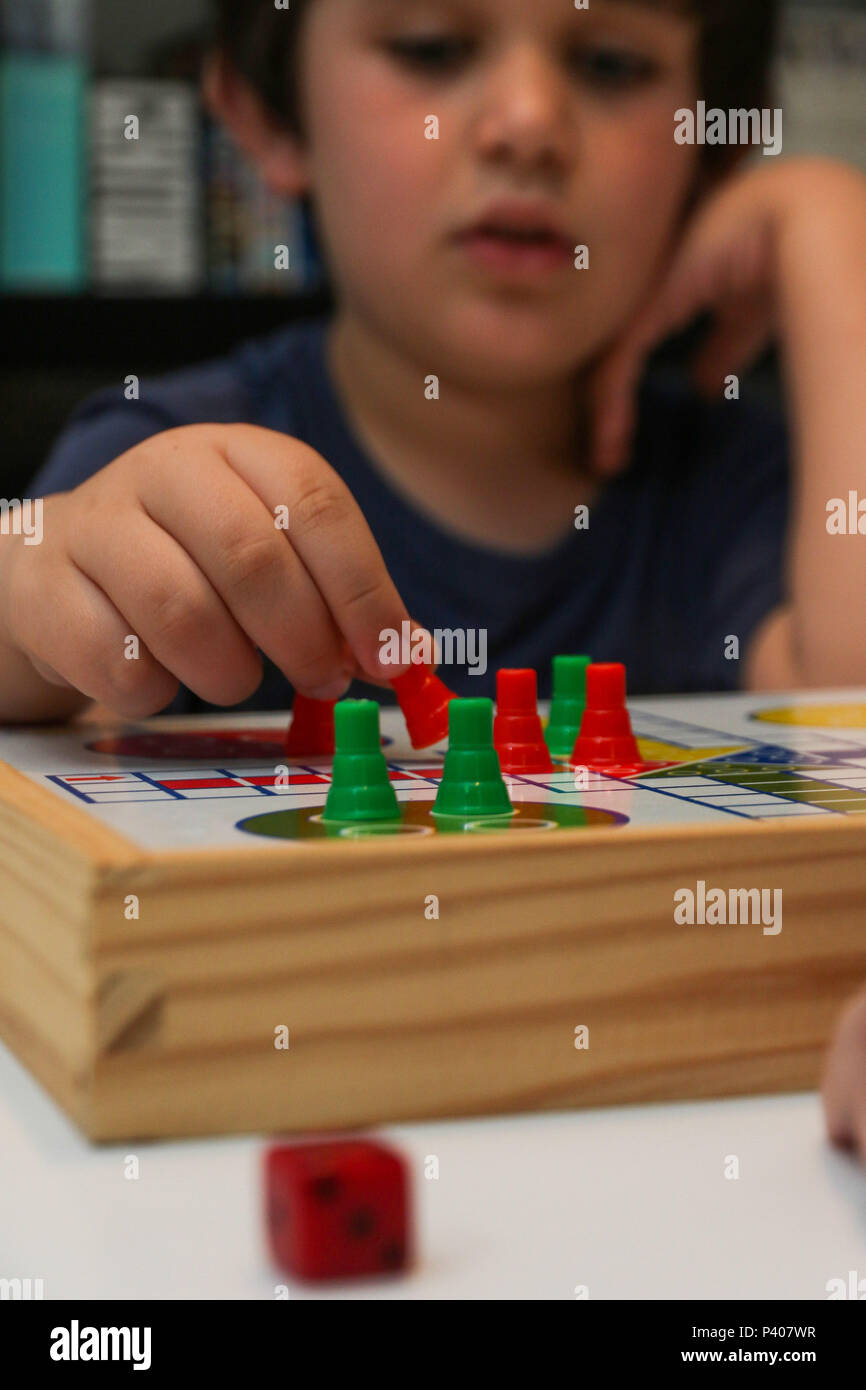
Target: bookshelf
x=73, y=310
x=202, y=237
x=114, y=180
x=126, y=35
x=66, y=338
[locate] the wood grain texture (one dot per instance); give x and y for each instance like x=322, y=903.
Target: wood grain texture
x=164, y=1025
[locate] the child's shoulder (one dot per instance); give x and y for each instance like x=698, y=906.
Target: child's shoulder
x=231, y=389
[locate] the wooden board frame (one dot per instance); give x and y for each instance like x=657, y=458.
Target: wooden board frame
x=165, y=1025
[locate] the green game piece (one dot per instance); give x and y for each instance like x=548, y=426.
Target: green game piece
x=472, y=784
x=360, y=786
x=568, y=704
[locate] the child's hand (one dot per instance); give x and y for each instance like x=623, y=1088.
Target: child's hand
x=844, y=1085
x=731, y=261
x=181, y=543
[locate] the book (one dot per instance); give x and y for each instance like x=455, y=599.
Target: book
x=145, y=206
x=43, y=78
x=258, y=242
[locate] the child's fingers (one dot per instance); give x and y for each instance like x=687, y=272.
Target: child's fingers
x=733, y=346
x=81, y=637
x=168, y=604
x=723, y=257
x=844, y=1083
x=616, y=378
x=858, y=1118
x=329, y=532
x=232, y=536
x=613, y=394
x=835, y=1095
x=48, y=673
x=417, y=632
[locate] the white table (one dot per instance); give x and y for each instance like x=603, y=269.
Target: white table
x=631, y=1202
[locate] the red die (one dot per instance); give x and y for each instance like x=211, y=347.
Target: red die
x=337, y=1209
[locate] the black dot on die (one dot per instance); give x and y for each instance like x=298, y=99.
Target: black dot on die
x=361, y=1222
x=326, y=1189
x=393, y=1255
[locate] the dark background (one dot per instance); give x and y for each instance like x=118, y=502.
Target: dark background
x=55, y=350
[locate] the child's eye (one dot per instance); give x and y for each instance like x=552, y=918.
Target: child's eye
x=612, y=69
x=439, y=53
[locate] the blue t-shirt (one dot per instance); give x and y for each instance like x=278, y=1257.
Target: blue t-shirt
x=683, y=550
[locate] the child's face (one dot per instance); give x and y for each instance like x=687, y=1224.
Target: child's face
x=570, y=109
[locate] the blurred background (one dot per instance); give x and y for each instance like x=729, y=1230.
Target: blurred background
x=104, y=243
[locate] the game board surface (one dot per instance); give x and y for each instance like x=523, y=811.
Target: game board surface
x=223, y=781
x=171, y=895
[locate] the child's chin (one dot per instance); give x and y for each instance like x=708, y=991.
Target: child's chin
x=520, y=360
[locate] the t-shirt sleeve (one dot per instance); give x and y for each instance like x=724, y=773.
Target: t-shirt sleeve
x=106, y=425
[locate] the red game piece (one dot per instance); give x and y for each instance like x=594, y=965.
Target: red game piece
x=606, y=739
x=311, y=732
x=337, y=1210
x=517, y=732
x=424, y=700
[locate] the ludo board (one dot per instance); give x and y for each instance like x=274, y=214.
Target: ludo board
x=186, y=947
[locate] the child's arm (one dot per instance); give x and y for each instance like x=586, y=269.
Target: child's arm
x=780, y=249
x=822, y=307
x=180, y=562
x=844, y=1084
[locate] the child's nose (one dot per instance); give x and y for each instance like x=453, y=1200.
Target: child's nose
x=526, y=109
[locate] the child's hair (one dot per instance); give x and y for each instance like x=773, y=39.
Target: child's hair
x=736, y=51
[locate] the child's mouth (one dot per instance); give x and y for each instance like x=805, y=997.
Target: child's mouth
x=514, y=250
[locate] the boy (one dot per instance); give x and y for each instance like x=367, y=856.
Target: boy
x=510, y=225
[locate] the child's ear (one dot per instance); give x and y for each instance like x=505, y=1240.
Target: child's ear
x=271, y=147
